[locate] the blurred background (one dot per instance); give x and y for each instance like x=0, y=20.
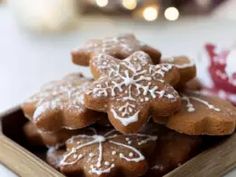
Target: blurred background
x=36, y=36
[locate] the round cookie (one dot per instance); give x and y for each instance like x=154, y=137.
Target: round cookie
x=203, y=115
x=60, y=104
x=186, y=66
x=120, y=46
x=131, y=90
x=107, y=153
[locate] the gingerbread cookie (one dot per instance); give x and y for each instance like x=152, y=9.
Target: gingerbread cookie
x=40, y=138
x=172, y=150
x=32, y=135
x=203, y=115
x=107, y=153
x=54, y=156
x=193, y=84
x=131, y=90
x=60, y=104
x=186, y=67
x=118, y=46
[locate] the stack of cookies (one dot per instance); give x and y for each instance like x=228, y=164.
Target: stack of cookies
x=140, y=114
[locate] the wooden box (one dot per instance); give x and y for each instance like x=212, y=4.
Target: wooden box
x=17, y=155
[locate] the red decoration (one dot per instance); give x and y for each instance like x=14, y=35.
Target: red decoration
x=224, y=85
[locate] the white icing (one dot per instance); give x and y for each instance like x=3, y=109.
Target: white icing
x=124, y=44
x=65, y=94
x=101, y=171
x=134, y=80
x=186, y=65
x=125, y=120
x=38, y=112
x=139, y=157
x=191, y=63
x=190, y=106
x=98, y=164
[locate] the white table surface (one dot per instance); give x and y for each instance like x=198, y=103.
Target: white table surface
x=28, y=60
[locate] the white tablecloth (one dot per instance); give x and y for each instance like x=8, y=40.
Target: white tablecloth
x=28, y=60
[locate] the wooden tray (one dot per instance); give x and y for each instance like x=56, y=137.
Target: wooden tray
x=214, y=162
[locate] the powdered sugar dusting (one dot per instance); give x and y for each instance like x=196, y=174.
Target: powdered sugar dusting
x=124, y=45
x=61, y=95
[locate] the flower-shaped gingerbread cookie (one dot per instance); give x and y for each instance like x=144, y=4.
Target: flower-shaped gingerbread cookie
x=203, y=115
x=107, y=153
x=131, y=90
x=186, y=66
x=120, y=46
x=60, y=104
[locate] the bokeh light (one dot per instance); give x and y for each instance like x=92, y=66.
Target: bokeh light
x=129, y=4
x=171, y=13
x=102, y=3
x=150, y=13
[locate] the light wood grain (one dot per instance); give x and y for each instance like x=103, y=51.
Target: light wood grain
x=22, y=162
x=214, y=162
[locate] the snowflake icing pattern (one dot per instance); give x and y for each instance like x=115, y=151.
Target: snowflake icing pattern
x=132, y=82
x=119, y=146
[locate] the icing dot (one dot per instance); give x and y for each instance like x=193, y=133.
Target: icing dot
x=91, y=154
x=127, y=139
x=106, y=163
x=131, y=154
x=113, y=152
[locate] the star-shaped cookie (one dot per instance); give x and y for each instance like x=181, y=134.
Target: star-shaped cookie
x=203, y=115
x=120, y=46
x=107, y=153
x=60, y=104
x=131, y=90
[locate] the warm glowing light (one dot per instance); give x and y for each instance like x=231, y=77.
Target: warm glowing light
x=129, y=4
x=150, y=13
x=171, y=13
x=102, y=3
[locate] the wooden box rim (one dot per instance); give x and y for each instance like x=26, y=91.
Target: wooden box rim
x=214, y=162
